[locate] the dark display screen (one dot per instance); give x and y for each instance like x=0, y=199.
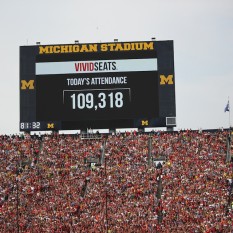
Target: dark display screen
x=88, y=86
x=62, y=98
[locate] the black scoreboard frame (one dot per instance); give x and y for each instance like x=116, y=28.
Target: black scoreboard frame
x=97, y=85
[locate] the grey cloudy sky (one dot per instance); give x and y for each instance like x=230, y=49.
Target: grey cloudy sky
x=202, y=31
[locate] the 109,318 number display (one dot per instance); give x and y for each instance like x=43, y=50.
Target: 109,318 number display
x=97, y=100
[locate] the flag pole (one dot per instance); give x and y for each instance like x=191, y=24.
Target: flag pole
x=229, y=113
x=229, y=118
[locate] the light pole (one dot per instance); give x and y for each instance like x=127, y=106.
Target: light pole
x=106, y=197
x=17, y=196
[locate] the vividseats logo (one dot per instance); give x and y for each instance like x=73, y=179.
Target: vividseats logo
x=95, y=66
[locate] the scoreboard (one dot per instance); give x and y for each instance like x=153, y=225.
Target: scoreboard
x=97, y=85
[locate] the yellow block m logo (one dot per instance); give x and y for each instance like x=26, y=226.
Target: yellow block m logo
x=27, y=85
x=50, y=126
x=168, y=79
x=144, y=123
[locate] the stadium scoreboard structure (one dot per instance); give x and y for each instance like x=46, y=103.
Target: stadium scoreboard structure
x=97, y=85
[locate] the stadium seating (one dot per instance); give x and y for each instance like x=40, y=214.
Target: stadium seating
x=69, y=183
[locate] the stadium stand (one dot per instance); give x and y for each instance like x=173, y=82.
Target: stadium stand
x=113, y=183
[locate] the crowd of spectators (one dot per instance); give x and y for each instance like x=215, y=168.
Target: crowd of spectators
x=47, y=185
x=197, y=184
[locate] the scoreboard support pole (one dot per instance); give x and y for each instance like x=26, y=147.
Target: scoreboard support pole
x=141, y=130
x=112, y=131
x=170, y=129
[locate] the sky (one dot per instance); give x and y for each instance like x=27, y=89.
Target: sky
x=202, y=32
